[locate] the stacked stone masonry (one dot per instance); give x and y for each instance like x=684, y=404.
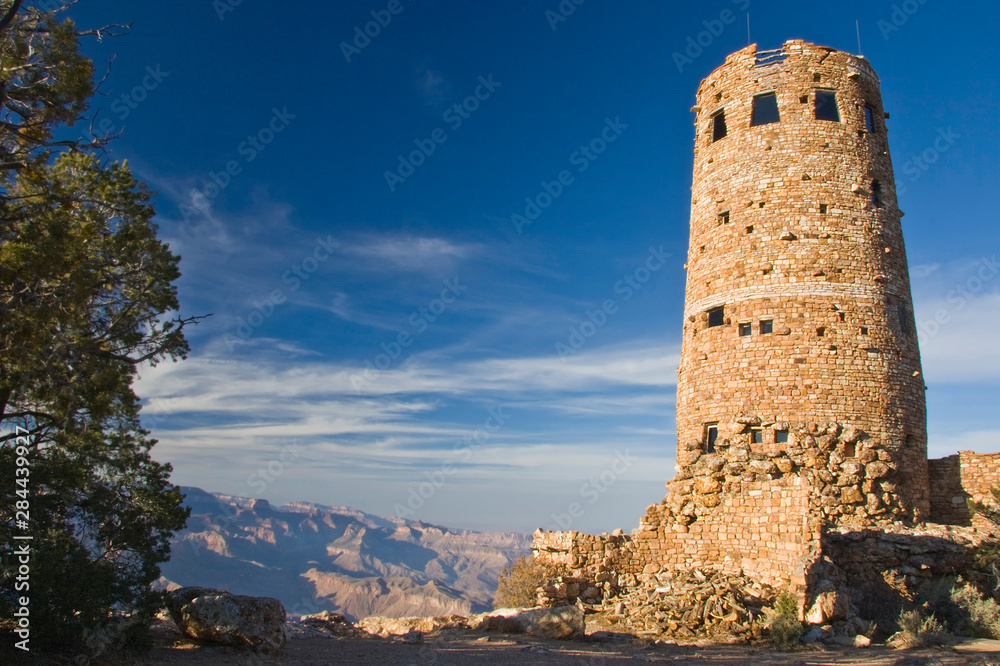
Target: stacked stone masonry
x=959, y=478
x=801, y=421
x=796, y=237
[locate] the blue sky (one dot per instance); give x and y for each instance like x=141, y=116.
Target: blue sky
x=385, y=334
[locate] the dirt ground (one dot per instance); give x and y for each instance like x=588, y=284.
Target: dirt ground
x=478, y=649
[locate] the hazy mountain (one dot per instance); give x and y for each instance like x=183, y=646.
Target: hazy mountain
x=315, y=557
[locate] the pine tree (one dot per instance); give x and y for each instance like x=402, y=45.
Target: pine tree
x=86, y=290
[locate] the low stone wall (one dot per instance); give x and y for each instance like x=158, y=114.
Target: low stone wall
x=762, y=529
x=958, y=478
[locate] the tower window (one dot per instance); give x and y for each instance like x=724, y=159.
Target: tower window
x=746, y=329
x=822, y=209
x=876, y=193
x=756, y=436
x=864, y=330
x=850, y=450
x=766, y=326
x=723, y=217
x=716, y=317
x=826, y=106
x=821, y=331
x=711, y=435
x=841, y=315
x=765, y=110
x=718, y=125
x=750, y=229
x=869, y=118
x=904, y=318
x=780, y=436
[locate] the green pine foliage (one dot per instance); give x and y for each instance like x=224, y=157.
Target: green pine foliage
x=85, y=290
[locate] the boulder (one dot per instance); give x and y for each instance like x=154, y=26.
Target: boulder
x=401, y=626
x=828, y=604
x=216, y=616
x=560, y=622
x=334, y=624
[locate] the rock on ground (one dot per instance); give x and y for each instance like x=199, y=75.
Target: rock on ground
x=216, y=616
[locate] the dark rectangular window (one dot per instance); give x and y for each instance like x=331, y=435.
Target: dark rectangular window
x=904, y=318
x=780, y=436
x=766, y=326
x=716, y=317
x=876, y=192
x=718, y=125
x=724, y=217
x=711, y=435
x=765, y=110
x=822, y=209
x=745, y=329
x=756, y=436
x=869, y=119
x=826, y=106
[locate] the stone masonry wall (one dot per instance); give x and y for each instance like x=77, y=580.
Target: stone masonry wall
x=806, y=263
x=958, y=478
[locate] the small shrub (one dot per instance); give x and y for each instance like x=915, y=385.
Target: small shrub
x=916, y=631
x=517, y=584
x=781, y=621
x=982, y=614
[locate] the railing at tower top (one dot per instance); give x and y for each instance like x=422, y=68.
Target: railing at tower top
x=768, y=58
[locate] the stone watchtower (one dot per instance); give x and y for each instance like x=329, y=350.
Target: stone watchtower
x=798, y=322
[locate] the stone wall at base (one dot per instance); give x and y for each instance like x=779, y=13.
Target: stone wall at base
x=762, y=529
x=958, y=478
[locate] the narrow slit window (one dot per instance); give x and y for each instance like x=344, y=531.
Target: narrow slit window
x=869, y=118
x=841, y=315
x=826, y=106
x=716, y=317
x=711, y=435
x=780, y=436
x=723, y=217
x=904, y=318
x=765, y=110
x=745, y=329
x=718, y=125
x=876, y=193
x=766, y=326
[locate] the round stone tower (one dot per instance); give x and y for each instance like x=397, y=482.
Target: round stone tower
x=798, y=320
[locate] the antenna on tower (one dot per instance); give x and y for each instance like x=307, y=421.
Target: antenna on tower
x=748, y=28
x=857, y=27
